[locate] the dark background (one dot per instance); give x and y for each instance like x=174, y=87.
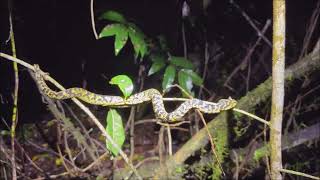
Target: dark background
x=58, y=35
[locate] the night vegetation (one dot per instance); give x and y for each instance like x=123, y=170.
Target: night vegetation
x=263, y=54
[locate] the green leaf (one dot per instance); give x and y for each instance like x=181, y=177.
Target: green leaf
x=121, y=33
x=121, y=39
x=138, y=40
x=124, y=83
x=196, y=79
x=181, y=62
x=168, y=77
x=185, y=81
x=157, y=65
x=113, y=16
x=110, y=30
x=115, y=130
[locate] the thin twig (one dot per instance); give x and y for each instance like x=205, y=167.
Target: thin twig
x=248, y=75
x=84, y=108
x=63, y=162
x=236, y=160
x=308, y=64
x=93, y=24
x=205, y=69
x=300, y=98
x=299, y=174
x=161, y=145
x=19, y=61
x=86, y=132
x=265, y=143
x=211, y=142
x=155, y=158
x=244, y=14
x=206, y=61
x=180, y=129
x=145, y=121
x=252, y=147
x=30, y=160
x=310, y=29
x=134, y=110
x=173, y=125
x=169, y=140
x=131, y=120
x=206, y=127
x=67, y=148
x=185, y=49
x=103, y=156
x=292, y=114
x=252, y=115
x=248, y=55
x=47, y=150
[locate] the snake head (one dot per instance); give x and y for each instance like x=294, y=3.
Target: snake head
x=226, y=104
x=39, y=72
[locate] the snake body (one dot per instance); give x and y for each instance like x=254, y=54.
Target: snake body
x=152, y=95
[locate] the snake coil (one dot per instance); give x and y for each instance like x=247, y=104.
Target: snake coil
x=152, y=95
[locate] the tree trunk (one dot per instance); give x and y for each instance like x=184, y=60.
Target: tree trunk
x=256, y=96
x=278, y=74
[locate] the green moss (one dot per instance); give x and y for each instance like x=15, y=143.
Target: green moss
x=220, y=142
x=261, y=152
x=201, y=171
x=180, y=170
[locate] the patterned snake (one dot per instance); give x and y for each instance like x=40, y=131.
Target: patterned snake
x=152, y=95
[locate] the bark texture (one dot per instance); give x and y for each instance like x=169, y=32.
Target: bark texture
x=278, y=63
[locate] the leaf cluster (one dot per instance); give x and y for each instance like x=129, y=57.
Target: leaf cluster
x=176, y=69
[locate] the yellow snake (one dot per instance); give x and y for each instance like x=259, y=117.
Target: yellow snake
x=152, y=95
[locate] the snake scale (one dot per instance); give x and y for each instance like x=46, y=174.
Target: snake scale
x=152, y=95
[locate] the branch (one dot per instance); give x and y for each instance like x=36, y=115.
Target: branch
x=299, y=174
x=290, y=140
x=248, y=163
x=259, y=95
x=300, y=137
x=83, y=107
x=256, y=96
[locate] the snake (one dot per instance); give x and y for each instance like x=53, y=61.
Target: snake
x=151, y=94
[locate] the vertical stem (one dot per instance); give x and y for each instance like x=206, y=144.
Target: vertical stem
x=278, y=64
x=185, y=49
x=131, y=119
x=15, y=94
x=92, y=20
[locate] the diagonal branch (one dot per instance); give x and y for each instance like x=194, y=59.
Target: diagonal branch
x=83, y=107
x=258, y=95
